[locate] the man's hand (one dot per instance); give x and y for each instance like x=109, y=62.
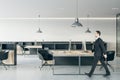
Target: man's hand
x=105, y=56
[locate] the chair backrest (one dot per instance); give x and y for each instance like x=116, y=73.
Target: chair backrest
x=44, y=54
x=110, y=55
x=4, y=55
x=40, y=56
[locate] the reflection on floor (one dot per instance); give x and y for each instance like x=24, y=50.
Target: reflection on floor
x=28, y=69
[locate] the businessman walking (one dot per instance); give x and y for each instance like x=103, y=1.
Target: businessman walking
x=99, y=53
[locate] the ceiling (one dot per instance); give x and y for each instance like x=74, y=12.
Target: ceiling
x=58, y=8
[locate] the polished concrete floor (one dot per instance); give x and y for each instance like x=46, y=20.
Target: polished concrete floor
x=28, y=69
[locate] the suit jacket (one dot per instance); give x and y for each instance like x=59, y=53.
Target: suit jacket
x=99, y=48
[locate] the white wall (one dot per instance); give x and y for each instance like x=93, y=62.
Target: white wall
x=57, y=30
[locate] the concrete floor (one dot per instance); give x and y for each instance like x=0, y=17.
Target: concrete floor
x=28, y=69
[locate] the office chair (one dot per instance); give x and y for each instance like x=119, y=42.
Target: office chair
x=24, y=49
x=3, y=56
x=110, y=57
x=45, y=56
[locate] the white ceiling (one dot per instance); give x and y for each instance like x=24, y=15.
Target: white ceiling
x=58, y=8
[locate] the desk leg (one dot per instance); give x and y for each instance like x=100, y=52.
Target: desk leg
x=79, y=63
x=37, y=50
x=53, y=64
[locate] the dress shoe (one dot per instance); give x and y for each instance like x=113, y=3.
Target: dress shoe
x=88, y=74
x=108, y=74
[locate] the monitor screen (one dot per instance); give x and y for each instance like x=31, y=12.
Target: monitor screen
x=62, y=46
x=8, y=46
x=89, y=46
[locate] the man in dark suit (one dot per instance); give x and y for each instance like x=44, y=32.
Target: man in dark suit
x=99, y=54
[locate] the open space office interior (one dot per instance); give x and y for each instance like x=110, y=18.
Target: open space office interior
x=59, y=39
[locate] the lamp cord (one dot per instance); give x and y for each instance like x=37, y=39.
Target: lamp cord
x=76, y=8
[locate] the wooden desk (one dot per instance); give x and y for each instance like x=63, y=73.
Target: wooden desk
x=33, y=49
x=72, y=53
x=35, y=46
x=61, y=57
x=73, y=57
x=10, y=60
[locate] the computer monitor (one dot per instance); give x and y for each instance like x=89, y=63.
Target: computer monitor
x=89, y=45
x=8, y=46
x=62, y=46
